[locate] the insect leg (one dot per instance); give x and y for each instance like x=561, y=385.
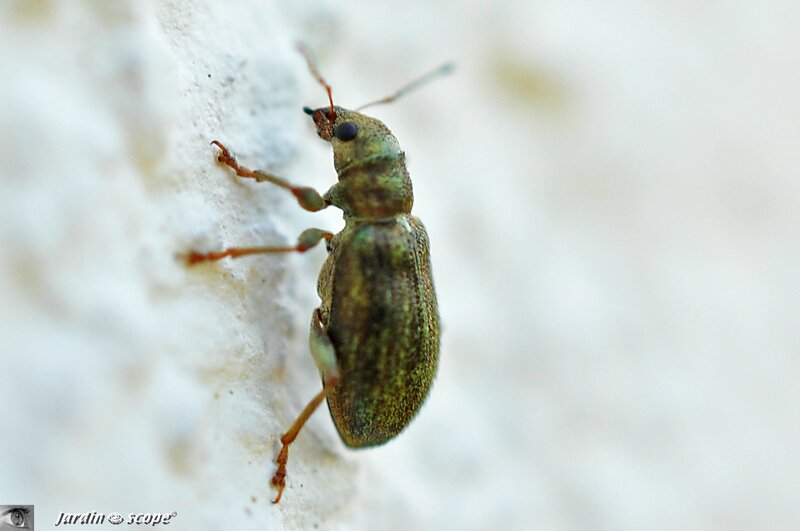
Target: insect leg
x=307, y=197
x=325, y=357
x=307, y=239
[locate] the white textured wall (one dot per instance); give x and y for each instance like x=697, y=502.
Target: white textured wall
x=132, y=384
x=611, y=192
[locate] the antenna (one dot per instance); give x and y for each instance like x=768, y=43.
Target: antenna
x=312, y=66
x=444, y=69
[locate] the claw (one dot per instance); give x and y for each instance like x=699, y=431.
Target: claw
x=191, y=258
x=279, y=479
x=194, y=257
x=224, y=156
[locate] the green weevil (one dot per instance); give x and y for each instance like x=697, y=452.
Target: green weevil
x=375, y=335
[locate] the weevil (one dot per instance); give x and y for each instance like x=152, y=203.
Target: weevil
x=375, y=335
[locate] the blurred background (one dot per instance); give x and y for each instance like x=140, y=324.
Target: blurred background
x=610, y=191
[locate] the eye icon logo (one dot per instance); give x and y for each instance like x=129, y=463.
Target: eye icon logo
x=115, y=518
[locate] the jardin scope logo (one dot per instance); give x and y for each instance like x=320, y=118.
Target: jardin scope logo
x=94, y=518
x=16, y=517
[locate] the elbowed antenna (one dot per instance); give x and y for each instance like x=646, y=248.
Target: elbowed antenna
x=445, y=69
x=312, y=66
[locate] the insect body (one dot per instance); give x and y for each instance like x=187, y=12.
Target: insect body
x=375, y=335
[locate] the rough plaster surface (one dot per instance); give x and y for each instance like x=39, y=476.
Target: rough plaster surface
x=133, y=383
x=612, y=200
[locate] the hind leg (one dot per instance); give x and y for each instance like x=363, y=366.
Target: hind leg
x=325, y=357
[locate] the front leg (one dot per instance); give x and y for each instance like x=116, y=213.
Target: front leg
x=307, y=197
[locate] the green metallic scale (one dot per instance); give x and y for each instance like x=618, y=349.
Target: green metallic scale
x=375, y=336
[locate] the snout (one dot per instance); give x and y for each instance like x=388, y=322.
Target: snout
x=323, y=120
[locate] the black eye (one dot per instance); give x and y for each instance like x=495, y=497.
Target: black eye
x=346, y=131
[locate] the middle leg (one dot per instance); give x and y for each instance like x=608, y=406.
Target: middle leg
x=308, y=239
